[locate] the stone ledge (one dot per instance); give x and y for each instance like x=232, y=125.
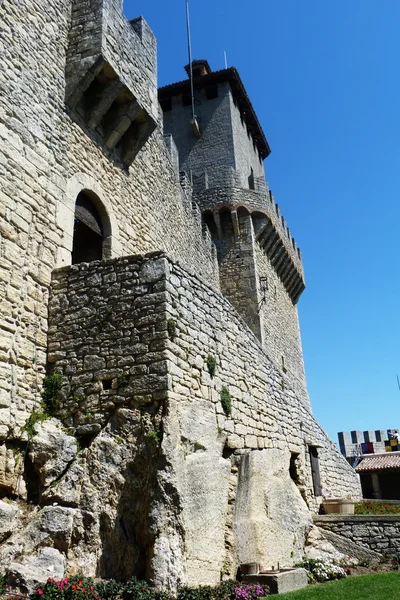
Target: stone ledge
x=321, y=519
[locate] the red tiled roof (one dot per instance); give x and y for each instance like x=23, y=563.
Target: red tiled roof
x=377, y=463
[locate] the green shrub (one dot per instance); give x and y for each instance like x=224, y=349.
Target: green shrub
x=171, y=328
x=226, y=590
x=51, y=393
x=84, y=588
x=226, y=400
x=211, y=365
x=108, y=590
x=203, y=592
x=2, y=585
x=36, y=416
x=154, y=436
x=135, y=589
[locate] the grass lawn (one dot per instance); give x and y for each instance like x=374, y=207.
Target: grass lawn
x=384, y=586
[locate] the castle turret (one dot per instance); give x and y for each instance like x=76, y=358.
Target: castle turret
x=258, y=257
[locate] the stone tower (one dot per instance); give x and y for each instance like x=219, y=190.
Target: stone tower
x=260, y=265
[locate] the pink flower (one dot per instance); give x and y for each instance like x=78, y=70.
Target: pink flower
x=40, y=592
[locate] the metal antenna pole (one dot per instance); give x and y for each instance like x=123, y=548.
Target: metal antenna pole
x=398, y=382
x=190, y=57
x=226, y=60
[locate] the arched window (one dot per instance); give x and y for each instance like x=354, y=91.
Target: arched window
x=91, y=229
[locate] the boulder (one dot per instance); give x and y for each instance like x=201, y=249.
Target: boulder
x=8, y=519
x=336, y=548
x=271, y=518
x=51, y=451
x=33, y=570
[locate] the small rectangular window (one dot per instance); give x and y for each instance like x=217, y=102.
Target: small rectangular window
x=186, y=99
x=106, y=384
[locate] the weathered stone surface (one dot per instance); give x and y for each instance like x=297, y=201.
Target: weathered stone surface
x=8, y=519
x=51, y=451
x=336, y=550
x=33, y=570
x=271, y=519
x=372, y=535
x=89, y=429
x=11, y=470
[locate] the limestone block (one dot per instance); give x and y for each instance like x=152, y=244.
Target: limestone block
x=331, y=546
x=8, y=519
x=271, y=518
x=51, y=450
x=11, y=470
x=203, y=478
x=25, y=575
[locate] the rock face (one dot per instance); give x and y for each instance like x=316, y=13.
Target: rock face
x=51, y=451
x=8, y=519
x=166, y=482
x=333, y=547
x=272, y=519
x=36, y=569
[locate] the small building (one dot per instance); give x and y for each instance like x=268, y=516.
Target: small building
x=375, y=455
x=380, y=475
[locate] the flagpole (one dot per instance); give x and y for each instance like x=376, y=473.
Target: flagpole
x=190, y=57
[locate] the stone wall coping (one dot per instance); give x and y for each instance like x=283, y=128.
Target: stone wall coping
x=355, y=518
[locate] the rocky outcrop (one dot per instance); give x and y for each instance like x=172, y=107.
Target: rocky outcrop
x=33, y=570
x=97, y=507
x=8, y=519
x=336, y=548
x=272, y=519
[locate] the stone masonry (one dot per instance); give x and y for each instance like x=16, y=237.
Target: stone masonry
x=180, y=442
x=380, y=533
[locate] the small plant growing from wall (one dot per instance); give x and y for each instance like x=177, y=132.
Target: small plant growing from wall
x=226, y=400
x=171, y=328
x=211, y=365
x=51, y=393
x=36, y=417
x=154, y=436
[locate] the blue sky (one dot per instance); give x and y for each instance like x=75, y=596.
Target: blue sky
x=323, y=77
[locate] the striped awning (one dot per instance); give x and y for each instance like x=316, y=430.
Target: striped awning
x=378, y=463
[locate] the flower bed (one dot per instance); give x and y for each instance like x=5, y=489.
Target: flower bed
x=371, y=507
x=83, y=588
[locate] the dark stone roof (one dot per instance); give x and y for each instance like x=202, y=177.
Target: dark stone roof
x=239, y=93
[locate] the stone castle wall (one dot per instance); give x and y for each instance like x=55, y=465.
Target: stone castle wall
x=46, y=160
x=380, y=533
x=134, y=359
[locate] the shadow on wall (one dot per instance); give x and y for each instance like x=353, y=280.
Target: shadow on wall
x=127, y=539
